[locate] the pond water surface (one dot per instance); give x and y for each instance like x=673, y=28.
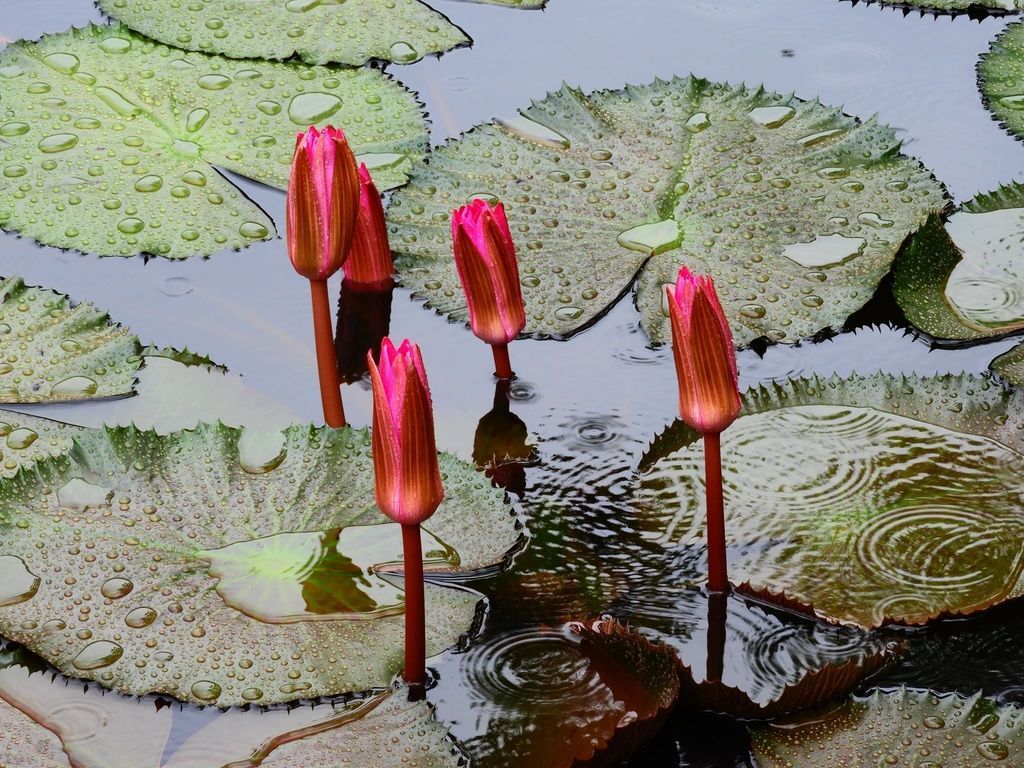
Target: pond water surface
x=592, y=405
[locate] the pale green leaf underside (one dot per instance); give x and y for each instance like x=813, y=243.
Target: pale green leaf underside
x=317, y=31
x=27, y=440
x=49, y=723
x=1001, y=78
x=869, y=500
x=197, y=529
x=1010, y=366
x=795, y=208
x=53, y=351
x=900, y=727
x=110, y=142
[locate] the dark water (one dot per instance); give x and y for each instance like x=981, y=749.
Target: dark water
x=588, y=407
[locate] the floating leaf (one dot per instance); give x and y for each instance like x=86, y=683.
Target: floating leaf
x=54, y=351
x=796, y=208
x=738, y=658
x=577, y=696
x=317, y=31
x=987, y=6
x=900, y=727
x=1001, y=78
x=111, y=140
x=870, y=500
x=52, y=723
x=1010, y=366
x=26, y=440
x=225, y=566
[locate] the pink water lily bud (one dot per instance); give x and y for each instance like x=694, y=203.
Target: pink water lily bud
x=408, y=478
x=323, y=202
x=709, y=396
x=369, y=259
x=485, y=257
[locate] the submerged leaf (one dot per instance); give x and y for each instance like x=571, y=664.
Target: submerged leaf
x=1010, y=366
x=577, y=696
x=739, y=658
x=223, y=566
x=871, y=500
x=1001, y=78
x=317, y=31
x=900, y=727
x=54, y=723
x=55, y=351
x=118, y=139
x=795, y=208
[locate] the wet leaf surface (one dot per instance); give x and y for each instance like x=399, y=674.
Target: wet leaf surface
x=901, y=727
x=1001, y=78
x=119, y=139
x=1010, y=366
x=225, y=567
x=871, y=500
x=55, y=350
x=795, y=208
x=56, y=723
x=316, y=31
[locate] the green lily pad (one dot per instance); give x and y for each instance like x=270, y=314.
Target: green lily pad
x=110, y=142
x=899, y=727
x=868, y=501
x=1001, y=78
x=223, y=566
x=1010, y=366
x=55, y=351
x=56, y=723
x=795, y=208
x=27, y=440
x=317, y=31
x=989, y=6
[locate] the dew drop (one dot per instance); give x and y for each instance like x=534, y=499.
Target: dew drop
x=130, y=226
x=115, y=45
x=17, y=583
x=149, y=183
x=65, y=63
x=116, y=588
x=205, y=690
x=403, y=53
x=261, y=451
x=772, y=117
x=21, y=438
x=13, y=129
x=308, y=108
x=81, y=494
x=213, y=82
x=74, y=385
x=699, y=122
x=98, y=654
x=196, y=119
x=58, y=142
x=253, y=230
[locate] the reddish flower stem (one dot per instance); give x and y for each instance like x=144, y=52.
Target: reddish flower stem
x=326, y=357
x=502, y=364
x=415, y=611
x=718, y=577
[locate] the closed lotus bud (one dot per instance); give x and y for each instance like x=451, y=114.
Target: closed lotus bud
x=408, y=478
x=369, y=257
x=323, y=202
x=709, y=397
x=485, y=257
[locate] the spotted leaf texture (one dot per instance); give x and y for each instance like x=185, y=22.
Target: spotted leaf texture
x=1001, y=78
x=795, y=208
x=56, y=351
x=317, y=31
x=1010, y=366
x=224, y=566
x=51, y=722
x=899, y=727
x=26, y=440
x=871, y=500
x=110, y=142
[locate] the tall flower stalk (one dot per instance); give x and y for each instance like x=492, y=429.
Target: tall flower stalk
x=407, y=475
x=485, y=257
x=709, y=397
x=323, y=203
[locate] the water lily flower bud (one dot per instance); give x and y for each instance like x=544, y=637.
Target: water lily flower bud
x=485, y=257
x=709, y=397
x=323, y=202
x=408, y=478
x=369, y=259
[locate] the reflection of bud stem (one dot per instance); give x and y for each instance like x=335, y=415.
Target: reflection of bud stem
x=717, y=612
x=415, y=618
x=718, y=577
x=502, y=388
x=327, y=366
x=502, y=365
